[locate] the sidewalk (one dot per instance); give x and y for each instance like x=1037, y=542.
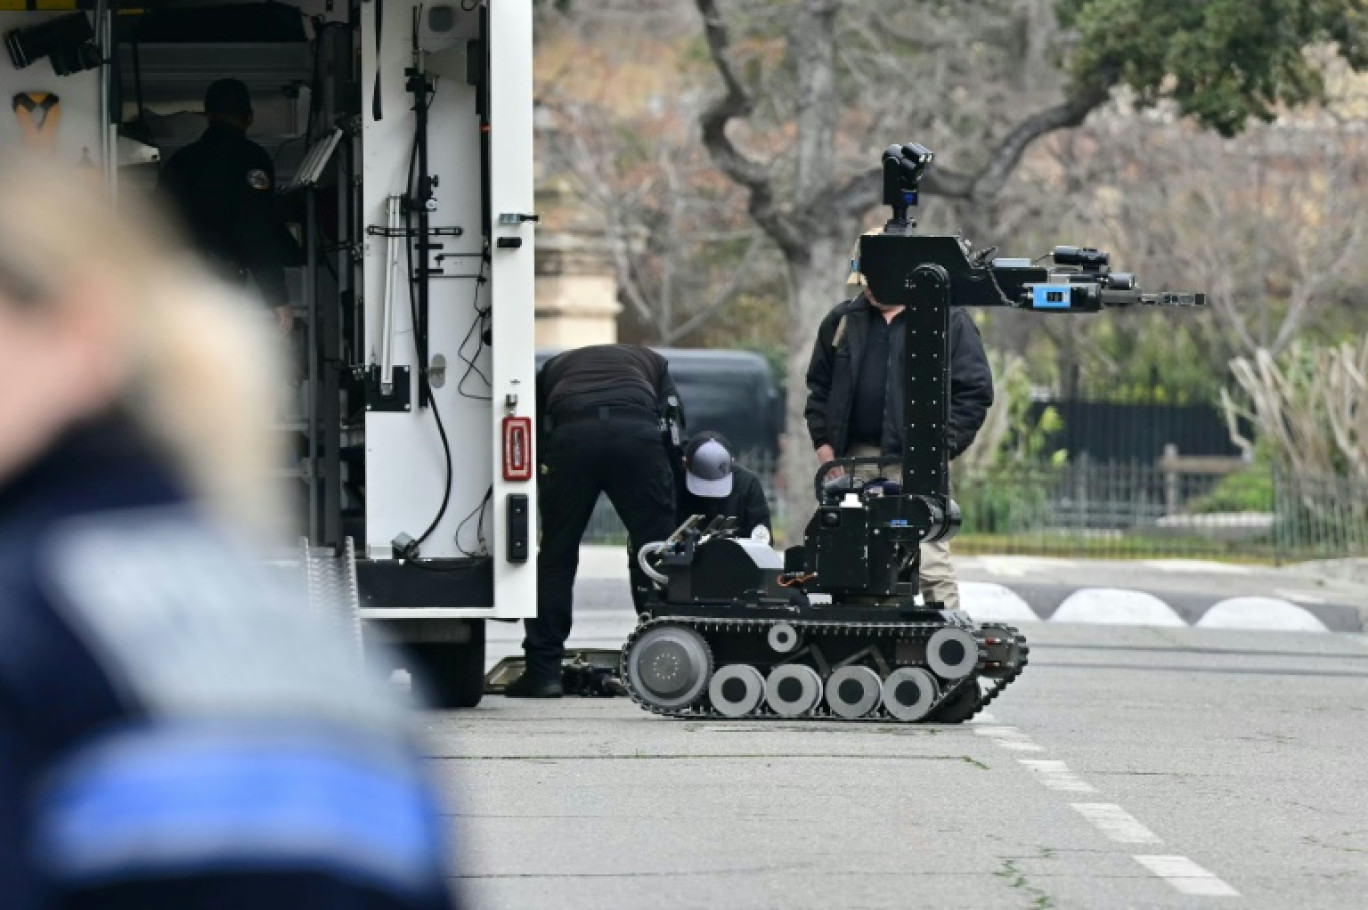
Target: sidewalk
x=1354, y=571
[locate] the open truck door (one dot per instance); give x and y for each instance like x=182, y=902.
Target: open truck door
x=401, y=135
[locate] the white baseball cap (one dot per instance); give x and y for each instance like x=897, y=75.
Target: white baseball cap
x=709, y=470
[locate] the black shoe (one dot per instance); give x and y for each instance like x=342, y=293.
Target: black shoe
x=530, y=686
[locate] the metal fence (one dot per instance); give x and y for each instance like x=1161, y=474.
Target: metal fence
x=1126, y=510
x=1117, y=510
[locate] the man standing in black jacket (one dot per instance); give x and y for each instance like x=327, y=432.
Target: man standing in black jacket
x=602, y=410
x=855, y=397
x=714, y=484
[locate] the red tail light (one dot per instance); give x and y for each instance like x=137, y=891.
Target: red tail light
x=517, y=448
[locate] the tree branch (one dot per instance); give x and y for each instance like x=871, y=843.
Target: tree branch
x=736, y=102
x=628, y=284
x=812, y=37
x=863, y=192
x=859, y=194
x=725, y=295
x=1073, y=111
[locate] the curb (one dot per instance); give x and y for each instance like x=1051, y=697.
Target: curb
x=1028, y=602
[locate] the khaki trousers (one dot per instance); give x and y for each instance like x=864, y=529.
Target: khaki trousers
x=936, y=574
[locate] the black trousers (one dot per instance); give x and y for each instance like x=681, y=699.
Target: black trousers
x=628, y=461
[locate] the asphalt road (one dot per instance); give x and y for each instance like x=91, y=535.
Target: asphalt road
x=1151, y=765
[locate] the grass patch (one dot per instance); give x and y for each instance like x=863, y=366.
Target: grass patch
x=1076, y=546
x=1015, y=878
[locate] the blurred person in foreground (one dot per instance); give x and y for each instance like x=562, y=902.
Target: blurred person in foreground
x=714, y=484
x=176, y=729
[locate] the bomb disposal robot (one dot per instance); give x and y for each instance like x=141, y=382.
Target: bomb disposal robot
x=733, y=630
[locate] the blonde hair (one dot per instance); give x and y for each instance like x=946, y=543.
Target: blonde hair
x=204, y=368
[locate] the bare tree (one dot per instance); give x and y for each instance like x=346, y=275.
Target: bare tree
x=811, y=187
x=678, y=238
x=813, y=89
x=1310, y=409
x=1270, y=226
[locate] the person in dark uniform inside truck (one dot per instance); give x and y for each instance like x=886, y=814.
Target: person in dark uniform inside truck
x=603, y=410
x=220, y=189
x=714, y=484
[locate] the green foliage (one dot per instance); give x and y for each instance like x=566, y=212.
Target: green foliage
x=775, y=355
x=1250, y=490
x=1027, y=439
x=1033, y=438
x=1000, y=503
x=1006, y=490
x=1222, y=61
x=1158, y=360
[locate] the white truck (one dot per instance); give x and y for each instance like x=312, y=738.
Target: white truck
x=402, y=135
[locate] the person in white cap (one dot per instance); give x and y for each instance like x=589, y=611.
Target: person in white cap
x=714, y=484
x=856, y=394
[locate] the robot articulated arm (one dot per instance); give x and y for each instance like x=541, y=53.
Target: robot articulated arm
x=1077, y=280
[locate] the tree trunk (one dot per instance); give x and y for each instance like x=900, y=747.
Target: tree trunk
x=815, y=283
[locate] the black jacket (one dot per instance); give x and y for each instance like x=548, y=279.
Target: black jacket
x=746, y=503
x=221, y=187
x=128, y=619
x=625, y=377
x=834, y=369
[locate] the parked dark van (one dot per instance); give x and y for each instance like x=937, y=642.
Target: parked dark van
x=731, y=392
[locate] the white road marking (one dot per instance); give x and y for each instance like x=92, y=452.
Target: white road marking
x=1265, y=613
x=987, y=602
x=1009, y=738
x=983, y=717
x=1116, y=606
x=1057, y=776
x=1116, y=823
x=1196, y=565
x=1186, y=876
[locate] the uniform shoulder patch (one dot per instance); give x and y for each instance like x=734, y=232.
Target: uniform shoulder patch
x=258, y=179
x=189, y=624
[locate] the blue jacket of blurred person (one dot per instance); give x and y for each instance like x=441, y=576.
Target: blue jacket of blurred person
x=176, y=728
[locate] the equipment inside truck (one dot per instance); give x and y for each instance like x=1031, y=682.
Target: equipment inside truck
x=401, y=136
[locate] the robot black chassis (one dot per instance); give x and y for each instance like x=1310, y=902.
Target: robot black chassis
x=732, y=630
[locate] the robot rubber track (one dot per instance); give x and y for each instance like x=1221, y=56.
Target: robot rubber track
x=885, y=670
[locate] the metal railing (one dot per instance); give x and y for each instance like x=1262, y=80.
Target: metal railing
x=1121, y=510
x=1116, y=510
